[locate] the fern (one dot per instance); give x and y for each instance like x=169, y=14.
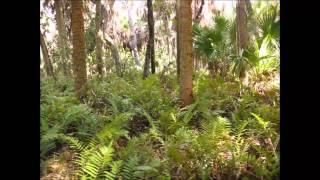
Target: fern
x=92, y=162
x=115, y=170
x=263, y=123
x=73, y=142
x=188, y=114
x=129, y=168
x=116, y=128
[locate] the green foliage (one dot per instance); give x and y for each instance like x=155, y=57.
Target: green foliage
x=132, y=128
x=269, y=23
x=220, y=133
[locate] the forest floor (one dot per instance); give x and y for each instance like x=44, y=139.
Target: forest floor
x=221, y=135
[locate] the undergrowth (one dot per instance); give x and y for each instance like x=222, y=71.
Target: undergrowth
x=130, y=128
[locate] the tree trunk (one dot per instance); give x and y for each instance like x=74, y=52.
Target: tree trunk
x=109, y=42
x=45, y=54
x=166, y=23
x=98, y=38
x=185, y=51
x=151, y=35
x=146, y=69
x=115, y=54
x=197, y=18
x=211, y=69
x=242, y=33
x=133, y=37
x=178, y=47
x=78, y=41
x=62, y=37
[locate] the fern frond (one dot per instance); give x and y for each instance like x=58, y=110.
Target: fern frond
x=129, y=168
x=73, y=142
x=92, y=162
x=115, y=170
x=188, y=114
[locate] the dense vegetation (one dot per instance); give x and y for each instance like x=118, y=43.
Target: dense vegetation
x=127, y=122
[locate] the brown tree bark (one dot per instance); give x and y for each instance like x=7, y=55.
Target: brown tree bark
x=185, y=50
x=146, y=70
x=62, y=37
x=45, y=54
x=98, y=38
x=151, y=35
x=78, y=41
x=178, y=39
x=242, y=33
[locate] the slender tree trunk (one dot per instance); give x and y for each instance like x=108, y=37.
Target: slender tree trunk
x=147, y=62
x=150, y=46
x=178, y=39
x=109, y=42
x=211, y=69
x=133, y=37
x=45, y=54
x=185, y=51
x=151, y=35
x=242, y=32
x=197, y=17
x=98, y=38
x=78, y=41
x=115, y=54
x=62, y=44
x=166, y=22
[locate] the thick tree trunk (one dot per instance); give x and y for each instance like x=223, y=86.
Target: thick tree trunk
x=78, y=41
x=115, y=54
x=151, y=35
x=62, y=44
x=133, y=37
x=98, y=38
x=46, y=59
x=185, y=51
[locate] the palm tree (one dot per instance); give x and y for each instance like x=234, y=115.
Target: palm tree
x=185, y=50
x=214, y=44
x=269, y=25
x=78, y=41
